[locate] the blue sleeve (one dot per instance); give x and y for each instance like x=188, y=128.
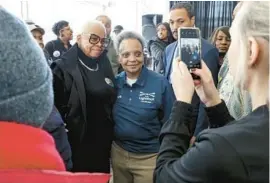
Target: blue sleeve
x=211, y=59
x=167, y=100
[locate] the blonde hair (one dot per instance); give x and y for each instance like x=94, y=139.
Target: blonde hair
x=252, y=19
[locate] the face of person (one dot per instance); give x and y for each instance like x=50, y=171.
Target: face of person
x=162, y=32
x=179, y=18
x=93, y=41
x=107, y=24
x=116, y=32
x=222, y=42
x=66, y=33
x=38, y=37
x=131, y=56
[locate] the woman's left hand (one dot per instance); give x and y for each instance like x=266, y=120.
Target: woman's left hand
x=182, y=81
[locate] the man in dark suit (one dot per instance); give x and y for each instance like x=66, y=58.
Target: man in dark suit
x=182, y=15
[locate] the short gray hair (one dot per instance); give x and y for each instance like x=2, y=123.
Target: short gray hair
x=127, y=35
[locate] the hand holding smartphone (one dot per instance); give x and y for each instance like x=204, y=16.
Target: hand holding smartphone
x=189, y=43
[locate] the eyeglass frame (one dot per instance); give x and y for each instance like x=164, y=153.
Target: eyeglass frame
x=99, y=40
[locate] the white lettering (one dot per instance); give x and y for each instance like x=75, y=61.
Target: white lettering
x=148, y=98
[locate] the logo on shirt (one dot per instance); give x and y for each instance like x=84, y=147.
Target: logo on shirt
x=148, y=98
x=56, y=53
x=109, y=82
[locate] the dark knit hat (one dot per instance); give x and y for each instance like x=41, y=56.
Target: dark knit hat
x=25, y=78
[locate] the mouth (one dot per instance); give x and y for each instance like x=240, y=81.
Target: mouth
x=223, y=48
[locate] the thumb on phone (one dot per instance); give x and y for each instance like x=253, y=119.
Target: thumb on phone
x=204, y=73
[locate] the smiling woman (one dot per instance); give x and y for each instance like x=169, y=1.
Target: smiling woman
x=84, y=89
x=142, y=106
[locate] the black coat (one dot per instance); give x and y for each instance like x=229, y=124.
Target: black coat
x=230, y=152
x=56, y=128
x=156, y=50
x=70, y=100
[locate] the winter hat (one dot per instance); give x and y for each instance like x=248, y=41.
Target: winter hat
x=25, y=78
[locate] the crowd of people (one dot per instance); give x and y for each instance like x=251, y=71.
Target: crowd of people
x=92, y=111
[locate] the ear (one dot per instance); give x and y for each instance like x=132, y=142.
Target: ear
x=192, y=20
x=60, y=33
x=254, y=50
x=79, y=37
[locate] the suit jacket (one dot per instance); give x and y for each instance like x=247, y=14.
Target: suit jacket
x=210, y=56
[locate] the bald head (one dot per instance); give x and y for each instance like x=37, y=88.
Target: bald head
x=106, y=21
x=91, y=38
x=93, y=27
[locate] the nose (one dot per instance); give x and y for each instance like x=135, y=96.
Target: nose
x=223, y=41
x=99, y=44
x=175, y=27
x=132, y=58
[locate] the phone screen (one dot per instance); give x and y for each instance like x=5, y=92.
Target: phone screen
x=190, y=47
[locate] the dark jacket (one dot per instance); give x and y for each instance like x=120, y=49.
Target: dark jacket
x=55, y=126
x=70, y=99
x=56, y=49
x=156, y=50
x=210, y=56
x=235, y=152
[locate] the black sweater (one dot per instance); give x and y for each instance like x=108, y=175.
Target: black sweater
x=229, y=152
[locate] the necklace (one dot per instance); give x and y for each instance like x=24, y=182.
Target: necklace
x=96, y=69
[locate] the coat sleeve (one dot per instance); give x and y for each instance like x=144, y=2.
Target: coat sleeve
x=168, y=99
x=55, y=126
x=177, y=163
x=157, y=54
x=165, y=61
x=49, y=48
x=59, y=89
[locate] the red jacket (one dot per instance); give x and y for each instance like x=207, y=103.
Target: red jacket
x=28, y=155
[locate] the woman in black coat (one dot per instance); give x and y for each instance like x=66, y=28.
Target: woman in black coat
x=84, y=89
x=157, y=46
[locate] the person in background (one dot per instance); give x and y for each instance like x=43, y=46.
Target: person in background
x=111, y=53
x=58, y=47
x=238, y=102
x=28, y=153
x=182, y=15
x=143, y=104
x=38, y=34
x=235, y=151
x=54, y=124
x=221, y=39
x=157, y=47
x=84, y=87
x=118, y=29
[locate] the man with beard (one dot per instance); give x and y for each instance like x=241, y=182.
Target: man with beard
x=182, y=15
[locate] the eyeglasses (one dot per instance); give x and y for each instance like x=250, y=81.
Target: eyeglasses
x=95, y=39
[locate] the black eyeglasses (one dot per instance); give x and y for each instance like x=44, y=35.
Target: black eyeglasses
x=95, y=39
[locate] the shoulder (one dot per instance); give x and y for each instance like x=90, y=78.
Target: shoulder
x=120, y=76
x=50, y=43
x=157, y=79
x=171, y=46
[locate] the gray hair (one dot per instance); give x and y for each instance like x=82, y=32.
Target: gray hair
x=251, y=20
x=127, y=35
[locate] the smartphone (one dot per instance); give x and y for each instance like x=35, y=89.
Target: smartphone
x=189, y=41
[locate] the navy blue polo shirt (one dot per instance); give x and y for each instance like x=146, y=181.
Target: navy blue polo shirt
x=140, y=110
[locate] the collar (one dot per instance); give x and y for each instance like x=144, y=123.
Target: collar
x=59, y=41
x=26, y=147
x=140, y=81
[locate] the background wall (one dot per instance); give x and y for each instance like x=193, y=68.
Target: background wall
x=45, y=13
